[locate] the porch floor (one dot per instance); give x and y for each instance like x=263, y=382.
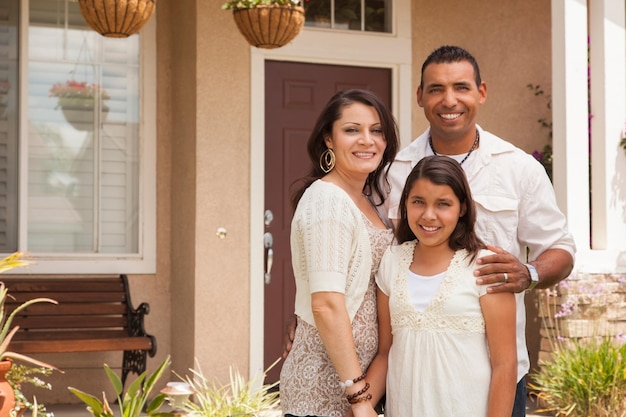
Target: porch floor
x=78, y=410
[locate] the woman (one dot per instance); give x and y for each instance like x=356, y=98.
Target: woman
x=337, y=239
x=449, y=345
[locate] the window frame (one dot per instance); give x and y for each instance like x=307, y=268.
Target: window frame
x=334, y=25
x=143, y=262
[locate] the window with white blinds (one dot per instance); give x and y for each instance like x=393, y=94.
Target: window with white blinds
x=79, y=193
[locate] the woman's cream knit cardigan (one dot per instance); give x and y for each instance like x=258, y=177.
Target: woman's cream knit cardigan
x=330, y=248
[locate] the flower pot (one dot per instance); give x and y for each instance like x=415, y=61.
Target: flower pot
x=269, y=26
x=7, y=396
x=116, y=18
x=80, y=113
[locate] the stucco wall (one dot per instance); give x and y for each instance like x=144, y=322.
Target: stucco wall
x=511, y=42
x=206, y=67
x=222, y=190
x=179, y=43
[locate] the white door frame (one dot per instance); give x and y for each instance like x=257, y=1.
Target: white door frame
x=391, y=51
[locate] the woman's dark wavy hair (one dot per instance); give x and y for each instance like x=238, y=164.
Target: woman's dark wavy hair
x=323, y=128
x=448, y=54
x=442, y=170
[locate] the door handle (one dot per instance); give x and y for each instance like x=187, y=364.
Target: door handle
x=268, y=242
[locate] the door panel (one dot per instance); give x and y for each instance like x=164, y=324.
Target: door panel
x=295, y=94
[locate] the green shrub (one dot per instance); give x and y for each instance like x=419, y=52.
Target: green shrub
x=18, y=376
x=584, y=379
x=586, y=375
x=134, y=401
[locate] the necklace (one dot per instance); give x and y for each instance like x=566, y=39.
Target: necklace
x=474, y=146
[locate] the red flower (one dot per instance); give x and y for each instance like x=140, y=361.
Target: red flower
x=77, y=89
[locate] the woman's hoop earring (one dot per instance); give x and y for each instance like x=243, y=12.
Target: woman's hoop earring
x=327, y=160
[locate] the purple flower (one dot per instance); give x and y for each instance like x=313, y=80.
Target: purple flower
x=567, y=309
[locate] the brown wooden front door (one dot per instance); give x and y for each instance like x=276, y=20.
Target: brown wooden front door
x=295, y=94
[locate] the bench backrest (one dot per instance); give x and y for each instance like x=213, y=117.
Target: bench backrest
x=88, y=305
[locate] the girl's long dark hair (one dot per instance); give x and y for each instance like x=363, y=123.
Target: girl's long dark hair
x=323, y=128
x=442, y=170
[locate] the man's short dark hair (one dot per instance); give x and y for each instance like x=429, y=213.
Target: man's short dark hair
x=448, y=54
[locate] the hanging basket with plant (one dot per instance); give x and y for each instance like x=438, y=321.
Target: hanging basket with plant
x=267, y=24
x=116, y=18
x=77, y=100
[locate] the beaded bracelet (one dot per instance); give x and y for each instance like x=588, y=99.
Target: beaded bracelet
x=351, y=382
x=360, y=399
x=363, y=390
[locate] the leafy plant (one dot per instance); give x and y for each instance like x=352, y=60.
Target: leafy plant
x=544, y=122
x=237, y=398
x=19, y=375
x=6, y=332
x=544, y=156
x=585, y=379
x=77, y=94
x=586, y=375
x=12, y=261
x=249, y=4
x=132, y=403
x=78, y=89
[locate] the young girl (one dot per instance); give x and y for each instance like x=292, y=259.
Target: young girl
x=448, y=347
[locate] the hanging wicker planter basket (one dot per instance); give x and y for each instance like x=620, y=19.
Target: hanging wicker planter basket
x=116, y=18
x=269, y=26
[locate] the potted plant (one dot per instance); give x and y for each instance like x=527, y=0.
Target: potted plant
x=239, y=397
x=134, y=401
x=77, y=100
x=267, y=24
x=7, y=332
x=21, y=375
x=117, y=18
x=582, y=367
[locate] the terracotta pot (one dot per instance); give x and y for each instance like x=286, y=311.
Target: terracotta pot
x=116, y=18
x=269, y=26
x=7, y=396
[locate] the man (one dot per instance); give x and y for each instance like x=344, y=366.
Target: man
x=516, y=206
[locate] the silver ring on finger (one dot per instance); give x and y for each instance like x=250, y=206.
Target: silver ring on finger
x=506, y=277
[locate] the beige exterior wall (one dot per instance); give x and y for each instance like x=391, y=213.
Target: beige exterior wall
x=209, y=186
